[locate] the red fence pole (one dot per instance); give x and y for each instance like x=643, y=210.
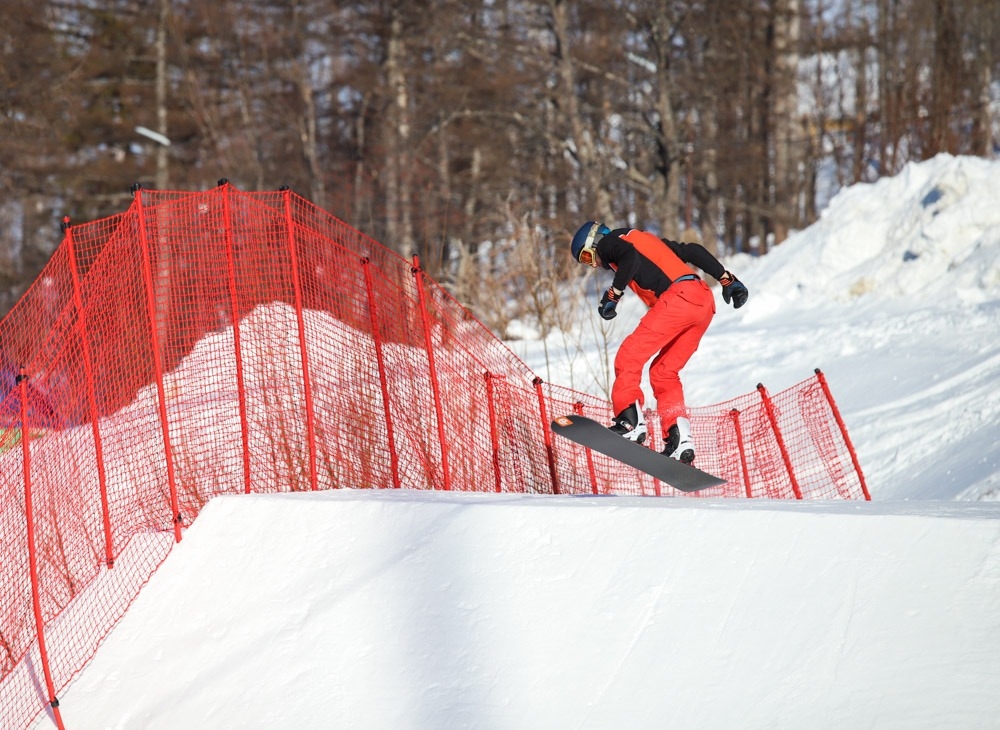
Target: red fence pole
x=547, y=431
x=769, y=408
x=303, y=352
x=29, y=514
x=88, y=372
x=154, y=339
x=843, y=432
x=578, y=409
x=735, y=415
x=429, y=340
x=382, y=375
x=494, y=432
x=234, y=308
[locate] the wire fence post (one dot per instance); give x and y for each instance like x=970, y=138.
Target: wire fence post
x=494, y=432
x=88, y=372
x=154, y=337
x=735, y=416
x=435, y=388
x=29, y=514
x=772, y=417
x=547, y=431
x=843, y=432
x=234, y=308
x=591, y=471
x=303, y=350
x=382, y=374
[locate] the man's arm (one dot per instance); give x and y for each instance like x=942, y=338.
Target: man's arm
x=695, y=253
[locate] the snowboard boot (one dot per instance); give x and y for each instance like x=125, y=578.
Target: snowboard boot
x=679, y=444
x=630, y=424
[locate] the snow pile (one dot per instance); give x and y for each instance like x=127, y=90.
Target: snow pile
x=931, y=232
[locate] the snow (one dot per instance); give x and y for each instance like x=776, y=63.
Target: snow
x=389, y=609
x=427, y=610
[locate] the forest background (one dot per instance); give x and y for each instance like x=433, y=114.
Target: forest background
x=480, y=134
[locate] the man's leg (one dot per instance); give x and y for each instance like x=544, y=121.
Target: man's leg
x=650, y=337
x=691, y=312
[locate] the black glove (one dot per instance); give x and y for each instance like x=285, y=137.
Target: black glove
x=733, y=288
x=608, y=303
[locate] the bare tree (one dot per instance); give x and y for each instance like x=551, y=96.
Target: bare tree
x=788, y=137
x=459, y=130
x=984, y=18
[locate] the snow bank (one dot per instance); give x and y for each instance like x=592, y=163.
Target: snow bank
x=933, y=228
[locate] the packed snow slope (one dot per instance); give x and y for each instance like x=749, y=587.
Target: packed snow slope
x=366, y=609
x=894, y=294
x=383, y=609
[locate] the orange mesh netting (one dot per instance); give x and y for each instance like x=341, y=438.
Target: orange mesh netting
x=227, y=342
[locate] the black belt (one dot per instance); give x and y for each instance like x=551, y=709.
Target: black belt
x=686, y=277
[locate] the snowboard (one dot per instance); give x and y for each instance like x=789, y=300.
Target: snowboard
x=593, y=435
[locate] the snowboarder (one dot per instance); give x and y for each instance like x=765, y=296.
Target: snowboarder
x=681, y=307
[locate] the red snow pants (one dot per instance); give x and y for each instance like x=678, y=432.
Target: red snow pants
x=669, y=333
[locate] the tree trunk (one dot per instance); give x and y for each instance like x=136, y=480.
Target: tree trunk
x=667, y=190
x=946, y=61
x=984, y=119
x=586, y=154
x=162, y=150
x=788, y=132
x=399, y=221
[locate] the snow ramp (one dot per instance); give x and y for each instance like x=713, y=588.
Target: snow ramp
x=392, y=609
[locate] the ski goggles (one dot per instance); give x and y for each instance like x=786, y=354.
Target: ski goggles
x=586, y=256
x=588, y=252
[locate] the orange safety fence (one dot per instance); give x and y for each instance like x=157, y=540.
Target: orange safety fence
x=226, y=342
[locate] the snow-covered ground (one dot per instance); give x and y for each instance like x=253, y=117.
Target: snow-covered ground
x=365, y=609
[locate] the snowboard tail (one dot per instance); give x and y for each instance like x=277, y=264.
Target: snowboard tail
x=593, y=435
